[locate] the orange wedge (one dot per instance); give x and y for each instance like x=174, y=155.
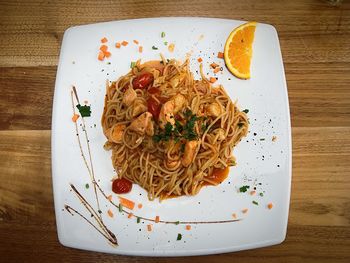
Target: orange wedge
x=238, y=50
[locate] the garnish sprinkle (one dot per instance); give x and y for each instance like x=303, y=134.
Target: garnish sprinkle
x=162, y=34
x=255, y=203
x=154, y=48
x=85, y=110
x=246, y=111
x=244, y=188
x=179, y=237
x=87, y=186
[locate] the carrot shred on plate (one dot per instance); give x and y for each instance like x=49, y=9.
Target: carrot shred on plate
x=103, y=48
x=127, y=203
x=234, y=215
x=75, y=117
x=212, y=79
x=125, y=43
x=245, y=210
x=216, y=70
x=101, y=56
x=156, y=219
x=110, y=213
x=107, y=54
x=140, y=49
x=104, y=40
x=269, y=206
x=188, y=227
x=252, y=192
x=139, y=206
x=136, y=42
x=220, y=55
x=171, y=47
x=199, y=60
x=214, y=65
x=149, y=228
x=117, y=45
x=109, y=198
x=130, y=215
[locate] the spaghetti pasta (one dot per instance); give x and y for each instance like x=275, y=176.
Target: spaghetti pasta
x=168, y=132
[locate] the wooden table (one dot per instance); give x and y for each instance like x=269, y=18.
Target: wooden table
x=315, y=42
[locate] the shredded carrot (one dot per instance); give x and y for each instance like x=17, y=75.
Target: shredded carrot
x=199, y=60
x=212, y=80
x=171, y=47
x=107, y=54
x=103, y=48
x=101, y=56
x=149, y=228
x=234, y=215
x=75, y=117
x=220, y=55
x=269, y=206
x=125, y=43
x=140, y=49
x=109, y=197
x=252, y=192
x=110, y=213
x=136, y=42
x=117, y=45
x=274, y=138
x=126, y=203
x=139, y=206
x=214, y=65
x=157, y=219
x=104, y=40
x=188, y=227
x=245, y=210
x=130, y=215
x=216, y=70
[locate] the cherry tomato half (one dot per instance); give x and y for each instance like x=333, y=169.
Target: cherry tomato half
x=153, y=90
x=142, y=81
x=153, y=107
x=121, y=186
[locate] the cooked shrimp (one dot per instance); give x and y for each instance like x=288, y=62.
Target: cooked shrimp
x=116, y=133
x=143, y=124
x=129, y=96
x=189, y=153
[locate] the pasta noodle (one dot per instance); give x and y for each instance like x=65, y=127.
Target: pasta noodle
x=168, y=132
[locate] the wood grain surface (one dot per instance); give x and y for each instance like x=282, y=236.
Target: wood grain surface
x=315, y=43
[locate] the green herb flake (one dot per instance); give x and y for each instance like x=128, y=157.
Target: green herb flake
x=244, y=188
x=85, y=111
x=261, y=194
x=177, y=222
x=99, y=211
x=87, y=186
x=108, y=63
x=255, y=203
x=182, y=148
x=138, y=220
x=179, y=237
x=162, y=34
x=262, y=139
x=120, y=207
x=154, y=48
x=132, y=64
x=240, y=124
x=165, y=43
x=246, y=111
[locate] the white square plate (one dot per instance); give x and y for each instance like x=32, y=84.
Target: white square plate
x=261, y=162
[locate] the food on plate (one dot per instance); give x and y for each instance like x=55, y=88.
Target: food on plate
x=169, y=133
x=239, y=49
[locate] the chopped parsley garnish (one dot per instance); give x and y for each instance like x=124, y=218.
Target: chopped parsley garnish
x=138, y=220
x=177, y=222
x=255, y=203
x=246, y=111
x=162, y=34
x=182, y=148
x=244, y=188
x=85, y=110
x=120, y=208
x=261, y=194
x=154, y=48
x=99, y=211
x=240, y=124
x=262, y=139
x=165, y=43
x=132, y=64
x=179, y=237
x=87, y=186
x=179, y=131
